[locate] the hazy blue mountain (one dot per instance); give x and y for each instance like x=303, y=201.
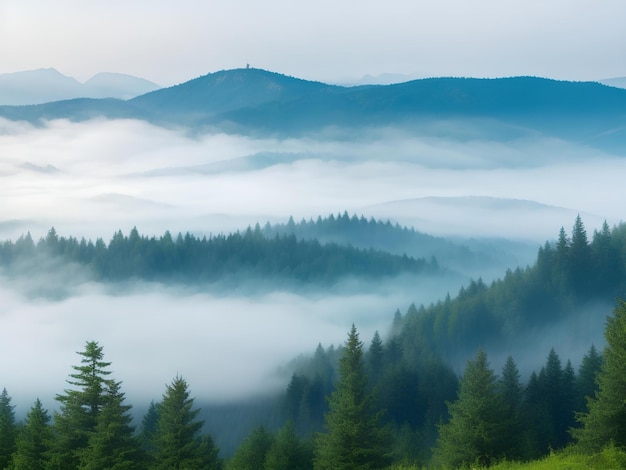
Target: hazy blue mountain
x=37, y=86
x=254, y=101
x=617, y=82
x=48, y=85
x=117, y=85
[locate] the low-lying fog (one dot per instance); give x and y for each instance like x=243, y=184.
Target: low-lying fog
x=91, y=179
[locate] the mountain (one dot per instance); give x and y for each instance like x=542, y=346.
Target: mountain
x=254, y=101
x=37, y=86
x=48, y=85
x=617, y=82
x=117, y=85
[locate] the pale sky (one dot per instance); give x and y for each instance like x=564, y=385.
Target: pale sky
x=170, y=42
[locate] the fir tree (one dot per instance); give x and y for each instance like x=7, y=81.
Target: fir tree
x=354, y=439
x=149, y=426
x=80, y=407
x=251, y=454
x=477, y=425
x=606, y=420
x=178, y=442
x=586, y=383
x=7, y=429
x=512, y=395
x=112, y=445
x=288, y=452
x=34, y=440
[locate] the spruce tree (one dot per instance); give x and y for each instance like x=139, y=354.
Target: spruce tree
x=251, y=454
x=112, y=445
x=605, y=422
x=288, y=452
x=149, y=425
x=477, y=428
x=80, y=407
x=586, y=382
x=178, y=442
x=7, y=429
x=354, y=438
x=512, y=395
x=34, y=440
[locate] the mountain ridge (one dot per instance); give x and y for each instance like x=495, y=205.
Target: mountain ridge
x=256, y=101
x=46, y=85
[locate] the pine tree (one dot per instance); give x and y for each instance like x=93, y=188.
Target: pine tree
x=149, y=425
x=586, y=383
x=580, y=261
x=288, y=452
x=7, y=429
x=112, y=445
x=606, y=420
x=251, y=454
x=512, y=395
x=354, y=438
x=178, y=442
x=80, y=407
x=34, y=440
x=477, y=425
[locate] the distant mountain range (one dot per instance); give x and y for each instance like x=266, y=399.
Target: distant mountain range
x=259, y=102
x=47, y=85
x=618, y=82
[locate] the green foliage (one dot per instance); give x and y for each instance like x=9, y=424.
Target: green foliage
x=253, y=451
x=149, y=427
x=112, y=444
x=606, y=420
x=609, y=457
x=476, y=431
x=7, y=429
x=177, y=442
x=586, y=383
x=354, y=438
x=288, y=452
x=34, y=440
x=219, y=258
x=80, y=407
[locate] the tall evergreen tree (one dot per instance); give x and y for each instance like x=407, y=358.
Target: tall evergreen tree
x=149, y=426
x=178, y=440
x=586, y=382
x=112, y=444
x=606, y=420
x=580, y=261
x=34, y=440
x=512, y=395
x=288, y=452
x=354, y=438
x=251, y=454
x=477, y=426
x=80, y=407
x=7, y=429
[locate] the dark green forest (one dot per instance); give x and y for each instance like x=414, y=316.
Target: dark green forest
x=220, y=258
x=395, y=401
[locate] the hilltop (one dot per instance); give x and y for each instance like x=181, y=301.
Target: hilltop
x=259, y=102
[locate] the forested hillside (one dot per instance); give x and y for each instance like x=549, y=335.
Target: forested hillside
x=260, y=102
x=220, y=258
x=412, y=379
x=464, y=256
x=399, y=392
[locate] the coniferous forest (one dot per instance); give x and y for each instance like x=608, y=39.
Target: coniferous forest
x=407, y=398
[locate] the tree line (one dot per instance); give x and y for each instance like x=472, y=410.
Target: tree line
x=489, y=418
x=190, y=259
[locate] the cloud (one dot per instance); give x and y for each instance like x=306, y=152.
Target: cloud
x=111, y=175
x=227, y=347
x=114, y=175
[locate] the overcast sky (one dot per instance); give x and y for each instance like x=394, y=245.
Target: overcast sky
x=171, y=42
